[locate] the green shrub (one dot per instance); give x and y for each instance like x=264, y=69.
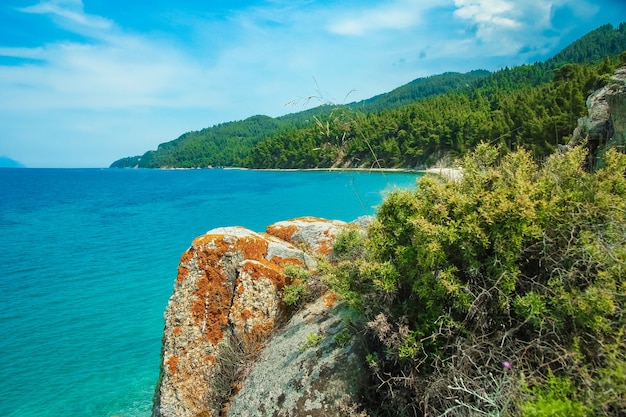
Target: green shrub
x=312, y=339
x=348, y=243
x=297, y=289
x=297, y=272
x=293, y=293
x=555, y=398
x=512, y=262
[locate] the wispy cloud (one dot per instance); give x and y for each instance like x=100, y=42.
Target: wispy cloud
x=105, y=81
x=70, y=14
x=397, y=15
x=507, y=27
x=110, y=69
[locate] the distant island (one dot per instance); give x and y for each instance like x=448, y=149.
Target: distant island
x=6, y=162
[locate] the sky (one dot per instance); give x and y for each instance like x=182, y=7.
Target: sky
x=86, y=82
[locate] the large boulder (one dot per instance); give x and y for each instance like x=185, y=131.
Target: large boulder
x=227, y=292
x=228, y=302
x=605, y=124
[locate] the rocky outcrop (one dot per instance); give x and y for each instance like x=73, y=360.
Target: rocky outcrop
x=308, y=233
x=616, y=98
x=227, y=303
x=605, y=124
x=309, y=369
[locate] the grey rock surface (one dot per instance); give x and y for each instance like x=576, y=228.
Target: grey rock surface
x=312, y=368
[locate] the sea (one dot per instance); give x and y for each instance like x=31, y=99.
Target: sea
x=88, y=259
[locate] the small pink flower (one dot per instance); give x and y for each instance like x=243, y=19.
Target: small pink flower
x=506, y=365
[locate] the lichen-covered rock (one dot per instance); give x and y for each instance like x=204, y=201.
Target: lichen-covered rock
x=228, y=287
x=310, y=369
x=227, y=303
x=315, y=235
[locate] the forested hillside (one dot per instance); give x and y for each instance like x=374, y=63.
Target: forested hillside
x=221, y=145
x=535, y=106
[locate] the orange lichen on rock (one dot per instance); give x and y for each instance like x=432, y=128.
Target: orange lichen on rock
x=281, y=262
x=211, y=306
x=253, y=247
x=208, y=258
x=325, y=247
x=183, y=271
x=177, y=330
x=172, y=364
x=208, y=239
x=187, y=256
x=309, y=219
x=255, y=338
x=282, y=232
x=267, y=270
x=330, y=298
x=246, y=314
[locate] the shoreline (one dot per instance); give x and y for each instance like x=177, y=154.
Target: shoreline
x=445, y=172
x=449, y=173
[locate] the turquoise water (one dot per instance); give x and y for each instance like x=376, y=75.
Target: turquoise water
x=88, y=258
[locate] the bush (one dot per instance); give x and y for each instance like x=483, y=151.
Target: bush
x=297, y=289
x=513, y=262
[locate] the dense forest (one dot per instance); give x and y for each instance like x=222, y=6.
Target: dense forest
x=535, y=106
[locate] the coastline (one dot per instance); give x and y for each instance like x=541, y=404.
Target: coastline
x=449, y=173
x=452, y=173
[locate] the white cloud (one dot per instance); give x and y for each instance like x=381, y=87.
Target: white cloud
x=398, y=15
x=482, y=10
x=125, y=73
x=70, y=14
x=504, y=26
x=110, y=70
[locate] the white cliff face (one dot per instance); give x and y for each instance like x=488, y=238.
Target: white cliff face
x=226, y=304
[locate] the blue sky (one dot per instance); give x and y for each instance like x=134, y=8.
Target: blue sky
x=83, y=83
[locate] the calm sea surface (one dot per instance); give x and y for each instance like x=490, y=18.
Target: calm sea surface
x=88, y=258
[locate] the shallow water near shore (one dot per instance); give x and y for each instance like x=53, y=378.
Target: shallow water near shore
x=88, y=258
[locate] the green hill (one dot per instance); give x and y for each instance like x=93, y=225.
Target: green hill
x=416, y=124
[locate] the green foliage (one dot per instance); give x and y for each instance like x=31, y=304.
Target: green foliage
x=594, y=46
x=342, y=337
x=419, y=89
x=226, y=144
x=513, y=261
x=555, y=398
x=293, y=293
x=312, y=339
x=297, y=289
x=349, y=243
x=297, y=272
x=513, y=107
